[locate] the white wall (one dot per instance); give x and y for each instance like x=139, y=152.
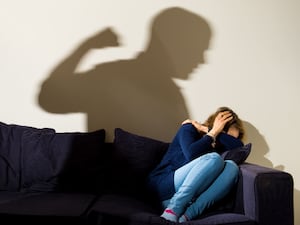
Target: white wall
x=251, y=65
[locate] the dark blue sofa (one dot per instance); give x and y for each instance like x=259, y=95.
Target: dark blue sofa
x=77, y=178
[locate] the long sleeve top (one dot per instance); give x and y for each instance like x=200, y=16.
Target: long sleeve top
x=187, y=145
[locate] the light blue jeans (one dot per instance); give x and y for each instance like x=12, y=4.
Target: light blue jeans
x=201, y=183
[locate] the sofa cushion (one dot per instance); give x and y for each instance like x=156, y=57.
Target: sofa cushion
x=56, y=204
x=46, y=208
x=139, y=153
x=134, y=156
x=118, y=209
x=221, y=219
x=41, y=159
x=119, y=206
x=238, y=155
x=8, y=196
x=10, y=153
x=60, y=161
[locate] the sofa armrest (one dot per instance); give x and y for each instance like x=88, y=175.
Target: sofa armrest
x=267, y=195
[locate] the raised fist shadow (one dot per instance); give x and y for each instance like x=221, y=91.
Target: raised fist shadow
x=138, y=94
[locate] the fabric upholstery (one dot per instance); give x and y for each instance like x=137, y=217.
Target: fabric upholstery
x=64, y=160
x=238, y=155
x=134, y=156
x=11, y=143
x=47, y=208
x=76, y=178
x=218, y=219
x=33, y=159
x=139, y=153
x=273, y=191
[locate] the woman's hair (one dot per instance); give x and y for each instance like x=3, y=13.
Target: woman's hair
x=235, y=121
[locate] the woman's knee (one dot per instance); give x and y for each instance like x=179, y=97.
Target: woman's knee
x=215, y=159
x=212, y=155
x=232, y=168
x=216, y=156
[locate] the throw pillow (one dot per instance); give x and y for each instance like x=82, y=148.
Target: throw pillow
x=52, y=161
x=11, y=152
x=238, y=155
x=134, y=156
x=136, y=153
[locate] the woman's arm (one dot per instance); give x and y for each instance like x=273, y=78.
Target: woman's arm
x=228, y=141
x=191, y=143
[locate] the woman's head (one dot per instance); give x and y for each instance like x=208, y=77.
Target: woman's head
x=234, y=122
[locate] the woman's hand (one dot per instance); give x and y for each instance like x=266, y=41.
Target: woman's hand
x=197, y=125
x=187, y=121
x=220, y=121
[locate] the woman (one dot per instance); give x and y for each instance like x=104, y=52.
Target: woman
x=192, y=175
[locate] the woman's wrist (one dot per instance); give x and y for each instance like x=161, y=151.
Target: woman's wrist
x=213, y=137
x=205, y=129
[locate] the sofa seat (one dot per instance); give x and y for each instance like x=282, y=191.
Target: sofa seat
x=7, y=196
x=46, y=208
x=118, y=209
x=222, y=218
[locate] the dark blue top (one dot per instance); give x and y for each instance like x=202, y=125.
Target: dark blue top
x=187, y=145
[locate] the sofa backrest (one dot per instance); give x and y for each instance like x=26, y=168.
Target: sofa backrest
x=33, y=159
x=11, y=151
x=132, y=158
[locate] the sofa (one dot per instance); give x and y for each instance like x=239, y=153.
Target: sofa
x=78, y=178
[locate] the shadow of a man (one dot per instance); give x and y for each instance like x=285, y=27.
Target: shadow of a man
x=139, y=94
